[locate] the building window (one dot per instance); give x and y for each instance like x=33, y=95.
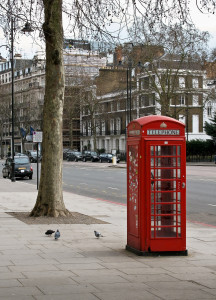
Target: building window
x=182, y=99
x=144, y=101
x=118, y=124
x=182, y=119
x=103, y=127
x=195, y=83
x=89, y=128
x=118, y=105
x=195, y=121
x=111, y=107
x=112, y=126
x=195, y=100
x=181, y=82
x=209, y=109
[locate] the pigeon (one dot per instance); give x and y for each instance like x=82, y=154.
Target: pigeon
x=49, y=232
x=98, y=234
x=57, y=234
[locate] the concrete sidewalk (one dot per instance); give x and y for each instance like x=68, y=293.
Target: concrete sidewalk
x=79, y=266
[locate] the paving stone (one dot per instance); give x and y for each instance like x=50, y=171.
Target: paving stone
x=67, y=289
x=9, y=283
x=19, y=291
x=185, y=270
x=126, y=295
x=99, y=279
x=16, y=297
x=80, y=296
x=144, y=270
x=81, y=266
x=51, y=274
x=44, y=281
x=148, y=278
x=188, y=294
x=33, y=268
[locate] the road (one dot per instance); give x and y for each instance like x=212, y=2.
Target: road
x=104, y=182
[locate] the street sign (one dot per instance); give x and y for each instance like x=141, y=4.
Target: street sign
x=37, y=136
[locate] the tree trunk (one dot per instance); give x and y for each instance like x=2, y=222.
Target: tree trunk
x=50, y=197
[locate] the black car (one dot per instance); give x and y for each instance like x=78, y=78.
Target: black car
x=90, y=155
x=65, y=151
x=22, y=167
x=74, y=156
x=108, y=157
x=33, y=155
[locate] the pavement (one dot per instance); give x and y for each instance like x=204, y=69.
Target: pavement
x=79, y=266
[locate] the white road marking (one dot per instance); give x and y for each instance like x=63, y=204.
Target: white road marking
x=83, y=183
x=212, y=204
x=112, y=188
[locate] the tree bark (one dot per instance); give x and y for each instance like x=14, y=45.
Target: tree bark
x=50, y=196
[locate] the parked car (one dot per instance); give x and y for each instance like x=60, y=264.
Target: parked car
x=74, y=156
x=65, y=151
x=90, y=155
x=32, y=154
x=69, y=152
x=22, y=167
x=108, y=157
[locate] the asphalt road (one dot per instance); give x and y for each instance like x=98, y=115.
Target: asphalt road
x=104, y=182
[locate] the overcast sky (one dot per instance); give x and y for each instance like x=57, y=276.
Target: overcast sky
x=26, y=47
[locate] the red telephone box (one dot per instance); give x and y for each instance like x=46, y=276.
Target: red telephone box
x=156, y=186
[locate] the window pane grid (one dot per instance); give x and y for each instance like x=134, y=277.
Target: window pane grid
x=165, y=195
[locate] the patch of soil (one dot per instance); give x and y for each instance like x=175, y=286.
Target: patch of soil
x=73, y=218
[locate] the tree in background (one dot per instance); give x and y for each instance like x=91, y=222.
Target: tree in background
x=210, y=128
x=88, y=19
x=183, y=49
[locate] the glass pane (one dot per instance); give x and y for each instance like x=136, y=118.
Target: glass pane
x=168, y=150
x=152, y=150
x=179, y=162
x=179, y=173
x=165, y=185
x=179, y=196
x=166, y=173
x=158, y=150
x=178, y=150
x=179, y=231
x=165, y=232
x=165, y=162
x=179, y=208
x=152, y=197
x=166, y=209
x=165, y=221
x=179, y=220
x=152, y=162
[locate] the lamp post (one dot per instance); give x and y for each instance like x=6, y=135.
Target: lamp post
x=27, y=28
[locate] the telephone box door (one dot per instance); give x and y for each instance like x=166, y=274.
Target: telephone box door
x=166, y=195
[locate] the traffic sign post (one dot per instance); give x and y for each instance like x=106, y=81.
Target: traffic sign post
x=37, y=137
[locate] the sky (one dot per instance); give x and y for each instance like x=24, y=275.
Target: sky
x=205, y=22
x=28, y=48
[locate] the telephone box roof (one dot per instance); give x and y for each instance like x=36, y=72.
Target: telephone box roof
x=155, y=118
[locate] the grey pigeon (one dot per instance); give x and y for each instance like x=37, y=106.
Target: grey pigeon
x=57, y=234
x=97, y=234
x=49, y=232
